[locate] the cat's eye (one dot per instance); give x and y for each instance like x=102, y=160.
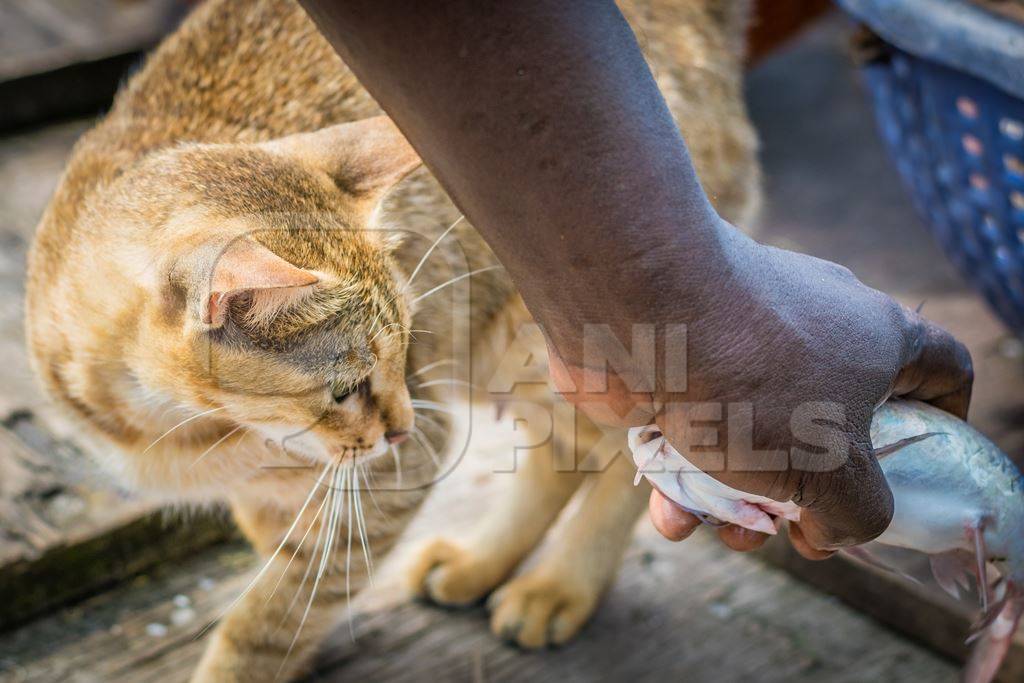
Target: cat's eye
x=340, y=392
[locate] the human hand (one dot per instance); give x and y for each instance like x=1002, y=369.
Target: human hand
x=598, y=216
x=794, y=343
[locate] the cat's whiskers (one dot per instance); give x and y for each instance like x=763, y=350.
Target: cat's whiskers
x=217, y=443
x=383, y=329
x=309, y=565
x=312, y=523
x=277, y=551
x=431, y=405
x=182, y=424
x=431, y=421
x=348, y=561
x=441, y=382
x=452, y=281
x=420, y=437
x=341, y=477
x=154, y=403
x=398, y=465
x=429, y=251
x=430, y=366
x=364, y=539
x=383, y=309
x=371, y=483
x=342, y=502
x=412, y=334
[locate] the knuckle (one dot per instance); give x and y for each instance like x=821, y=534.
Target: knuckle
x=965, y=363
x=859, y=506
x=912, y=329
x=874, y=520
x=912, y=326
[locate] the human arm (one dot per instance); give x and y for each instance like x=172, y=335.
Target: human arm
x=542, y=121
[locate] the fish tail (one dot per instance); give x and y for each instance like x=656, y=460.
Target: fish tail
x=993, y=642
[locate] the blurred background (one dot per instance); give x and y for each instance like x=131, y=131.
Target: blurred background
x=97, y=585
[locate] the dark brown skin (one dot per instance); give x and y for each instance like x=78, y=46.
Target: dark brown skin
x=542, y=121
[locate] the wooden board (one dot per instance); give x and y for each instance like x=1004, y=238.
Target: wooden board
x=65, y=529
x=692, y=611
x=67, y=57
x=923, y=612
x=831, y=192
x=774, y=22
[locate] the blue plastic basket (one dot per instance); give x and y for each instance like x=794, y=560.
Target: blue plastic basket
x=949, y=99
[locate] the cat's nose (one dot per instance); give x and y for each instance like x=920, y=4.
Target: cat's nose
x=395, y=438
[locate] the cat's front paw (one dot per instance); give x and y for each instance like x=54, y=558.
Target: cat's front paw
x=537, y=609
x=451, y=575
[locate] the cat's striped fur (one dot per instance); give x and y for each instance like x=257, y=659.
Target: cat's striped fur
x=204, y=390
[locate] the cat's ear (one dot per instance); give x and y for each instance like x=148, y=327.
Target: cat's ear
x=246, y=267
x=366, y=158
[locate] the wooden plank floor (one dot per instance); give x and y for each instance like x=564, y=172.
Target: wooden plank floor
x=66, y=57
x=857, y=213
x=65, y=529
x=690, y=610
x=44, y=35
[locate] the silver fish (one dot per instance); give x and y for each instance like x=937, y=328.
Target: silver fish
x=957, y=498
x=960, y=500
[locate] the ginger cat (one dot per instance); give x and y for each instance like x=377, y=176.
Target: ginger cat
x=216, y=292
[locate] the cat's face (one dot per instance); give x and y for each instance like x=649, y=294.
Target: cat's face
x=317, y=369
x=323, y=389
x=293, y=320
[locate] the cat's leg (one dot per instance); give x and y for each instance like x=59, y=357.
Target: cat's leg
x=461, y=573
x=551, y=601
x=273, y=631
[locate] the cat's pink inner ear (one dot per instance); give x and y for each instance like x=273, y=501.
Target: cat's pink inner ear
x=366, y=157
x=248, y=267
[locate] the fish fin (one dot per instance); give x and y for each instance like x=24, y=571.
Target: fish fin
x=994, y=641
x=950, y=570
x=643, y=468
x=987, y=617
x=883, y=451
x=976, y=534
x=869, y=558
